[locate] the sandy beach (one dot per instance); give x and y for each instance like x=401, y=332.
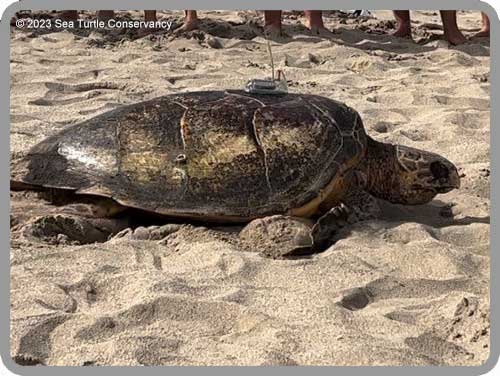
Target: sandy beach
x=409, y=288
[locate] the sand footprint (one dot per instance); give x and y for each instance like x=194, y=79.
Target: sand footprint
x=155, y=351
x=409, y=232
x=127, y=58
x=34, y=345
x=474, y=237
x=180, y=286
x=90, y=74
x=203, y=254
x=218, y=317
x=469, y=119
x=463, y=102
x=387, y=288
x=101, y=329
x=415, y=134
x=438, y=349
x=15, y=118
x=356, y=299
x=58, y=92
x=56, y=298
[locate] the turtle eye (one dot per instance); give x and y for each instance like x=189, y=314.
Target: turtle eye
x=439, y=170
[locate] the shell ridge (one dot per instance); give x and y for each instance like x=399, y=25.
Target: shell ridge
x=339, y=149
x=182, y=129
x=247, y=97
x=262, y=151
x=332, y=120
x=118, y=148
x=256, y=138
x=180, y=104
x=334, y=123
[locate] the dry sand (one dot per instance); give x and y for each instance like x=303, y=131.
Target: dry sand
x=411, y=288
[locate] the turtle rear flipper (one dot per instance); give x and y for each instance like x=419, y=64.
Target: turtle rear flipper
x=79, y=223
x=61, y=228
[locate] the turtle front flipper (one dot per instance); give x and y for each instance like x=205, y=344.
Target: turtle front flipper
x=357, y=206
x=327, y=226
x=278, y=236
x=281, y=236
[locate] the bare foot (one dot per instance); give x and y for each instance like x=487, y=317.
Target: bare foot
x=190, y=25
x=321, y=31
x=485, y=30
x=483, y=33
x=314, y=22
x=191, y=21
x=150, y=15
x=273, y=31
x=456, y=38
x=403, y=31
x=105, y=15
x=69, y=15
x=450, y=27
x=272, y=24
x=404, y=24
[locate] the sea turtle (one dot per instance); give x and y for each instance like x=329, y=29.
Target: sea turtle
x=296, y=166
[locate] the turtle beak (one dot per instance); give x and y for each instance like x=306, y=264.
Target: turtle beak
x=455, y=179
x=446, y=176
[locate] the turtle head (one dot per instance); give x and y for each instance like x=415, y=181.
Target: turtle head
x=422, y=175
x=405, y=175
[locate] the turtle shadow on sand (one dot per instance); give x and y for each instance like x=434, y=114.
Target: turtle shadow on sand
x=436, y=214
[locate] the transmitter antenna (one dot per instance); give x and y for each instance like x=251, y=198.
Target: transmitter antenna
x=271, y=58
x=269, y=86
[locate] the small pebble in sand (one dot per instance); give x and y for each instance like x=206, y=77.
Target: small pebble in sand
x=313, y=59
x=381, y=127
x=215, y=43
x=484, y=172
